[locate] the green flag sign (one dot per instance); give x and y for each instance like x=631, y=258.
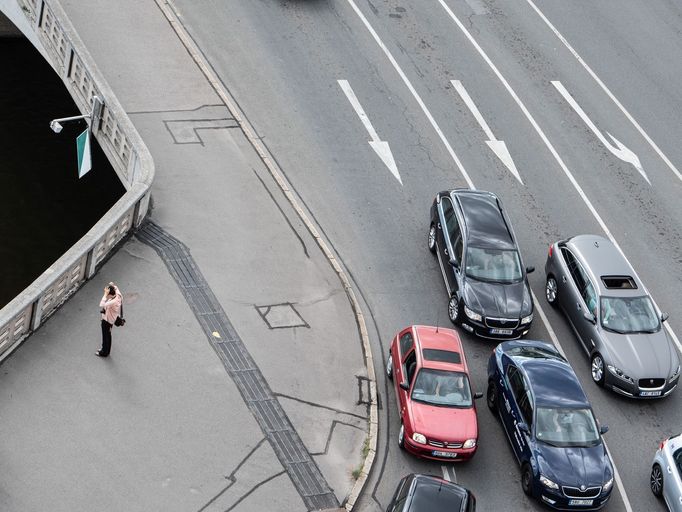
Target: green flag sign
x=83, y=148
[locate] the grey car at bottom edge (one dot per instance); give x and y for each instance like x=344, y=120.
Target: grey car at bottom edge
x=666, y=469
x=613, y=317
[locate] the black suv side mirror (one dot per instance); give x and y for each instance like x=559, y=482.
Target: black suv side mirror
x=454, y=262
x=530, y=270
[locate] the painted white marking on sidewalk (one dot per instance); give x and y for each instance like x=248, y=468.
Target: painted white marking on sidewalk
x=380, y=147
x=607, y=91
x=446, y=475
x=416, y=96
x=498, y=146
x=561, y=163
x=625, y=154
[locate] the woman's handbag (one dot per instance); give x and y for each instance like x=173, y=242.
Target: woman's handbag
x=120, y=321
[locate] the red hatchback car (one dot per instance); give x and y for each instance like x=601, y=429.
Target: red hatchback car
x=437, y=410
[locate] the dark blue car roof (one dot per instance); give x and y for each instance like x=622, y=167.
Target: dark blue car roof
x=554, y=383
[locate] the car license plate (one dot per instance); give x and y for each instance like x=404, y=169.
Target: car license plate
x=583, y=503
x=450, y=455
x=649, y=393
x=504, y=332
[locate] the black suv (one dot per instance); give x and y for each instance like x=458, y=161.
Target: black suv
x=424, y=493
x=484, y=275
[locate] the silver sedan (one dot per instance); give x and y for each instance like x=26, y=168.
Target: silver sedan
x=665, y=473
x=613, y=316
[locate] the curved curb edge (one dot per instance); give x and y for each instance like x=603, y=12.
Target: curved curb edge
x=169, y=12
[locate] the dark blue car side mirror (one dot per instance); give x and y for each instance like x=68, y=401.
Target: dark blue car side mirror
x=603, y=429
x=523, y=428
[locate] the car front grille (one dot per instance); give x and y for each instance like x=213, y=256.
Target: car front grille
x=502, y=323
x=574, y=492
x=444, y=444
x=651, y=383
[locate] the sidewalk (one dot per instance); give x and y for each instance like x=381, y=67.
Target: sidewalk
x=171, y=420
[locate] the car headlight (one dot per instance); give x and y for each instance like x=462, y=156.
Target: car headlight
x=607, y=485
x=619, y=373
x=548, y=483
x=527, y=319
x=419, y=438
x=675, y=374
x=472, y=314
x=469, y=443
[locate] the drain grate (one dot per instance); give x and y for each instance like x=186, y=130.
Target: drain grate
x=266, y=409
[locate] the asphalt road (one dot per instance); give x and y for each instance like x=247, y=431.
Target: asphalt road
x=282, y=61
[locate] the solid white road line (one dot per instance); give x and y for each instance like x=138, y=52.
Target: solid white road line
x=625, y=154
x=561, y=163
x=446, y=475
x=498, y=146
x=553, y=151
x=555, y=340
x=606, y=90
x=416, y=96
x=379, y=146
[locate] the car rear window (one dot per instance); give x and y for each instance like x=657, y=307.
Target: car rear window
x=442, y=356
x=619, y=282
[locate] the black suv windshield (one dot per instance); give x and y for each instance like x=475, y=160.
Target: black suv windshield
x=566, y=427
x=495, y=265
x=629, y=315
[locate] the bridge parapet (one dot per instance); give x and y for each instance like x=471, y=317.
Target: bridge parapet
x=46, y=25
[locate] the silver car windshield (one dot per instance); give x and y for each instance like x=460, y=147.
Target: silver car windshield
x=442, y=387
x=500, y=266
x=566, y=427
x=628, y=315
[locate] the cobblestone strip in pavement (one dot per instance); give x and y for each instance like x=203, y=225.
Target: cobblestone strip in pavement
x=259, y=398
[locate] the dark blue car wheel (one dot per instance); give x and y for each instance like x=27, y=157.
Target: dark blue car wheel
x=527, y=479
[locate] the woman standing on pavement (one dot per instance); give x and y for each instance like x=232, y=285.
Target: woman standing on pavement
x=110, y=307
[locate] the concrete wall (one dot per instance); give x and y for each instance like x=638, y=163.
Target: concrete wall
x=14, y=16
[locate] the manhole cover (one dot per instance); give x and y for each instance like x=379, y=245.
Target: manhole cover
x=281, y=316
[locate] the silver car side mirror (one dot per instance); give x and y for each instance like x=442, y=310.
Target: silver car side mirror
x=589, y=317
x=664, y=317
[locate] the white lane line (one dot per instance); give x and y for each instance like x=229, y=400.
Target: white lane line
x=553, y=151
x=568, y=174
x=606, y=90
x=555, y=340
x=380, y=147
x=416, y=96
x=498, y=146
x=446, y=475
x=625, y=154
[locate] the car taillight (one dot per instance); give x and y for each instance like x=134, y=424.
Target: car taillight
x=660, y=446
x=551, y=250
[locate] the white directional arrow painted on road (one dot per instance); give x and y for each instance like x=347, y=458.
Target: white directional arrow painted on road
x=625, y=154
x=381, y=147
x=498, y=146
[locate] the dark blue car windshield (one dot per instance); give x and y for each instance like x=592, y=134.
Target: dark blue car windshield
x=566, y=427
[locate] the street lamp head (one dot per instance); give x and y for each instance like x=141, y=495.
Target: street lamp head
x=55, y=126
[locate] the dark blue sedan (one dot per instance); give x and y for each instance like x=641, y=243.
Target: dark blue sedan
x=550, y=425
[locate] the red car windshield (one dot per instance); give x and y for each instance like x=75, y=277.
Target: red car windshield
x=442, y=388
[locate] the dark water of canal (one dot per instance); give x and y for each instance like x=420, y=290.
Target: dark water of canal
x=44, y=207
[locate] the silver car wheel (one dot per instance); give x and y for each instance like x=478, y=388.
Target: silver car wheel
x=453, y=309
x=656, y=480
x=598, y=369
x=432, y=238
x=551, y=290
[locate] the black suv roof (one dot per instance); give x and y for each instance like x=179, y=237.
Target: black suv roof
x=485, y=222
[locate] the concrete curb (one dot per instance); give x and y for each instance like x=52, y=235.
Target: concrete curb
x=168, y=10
